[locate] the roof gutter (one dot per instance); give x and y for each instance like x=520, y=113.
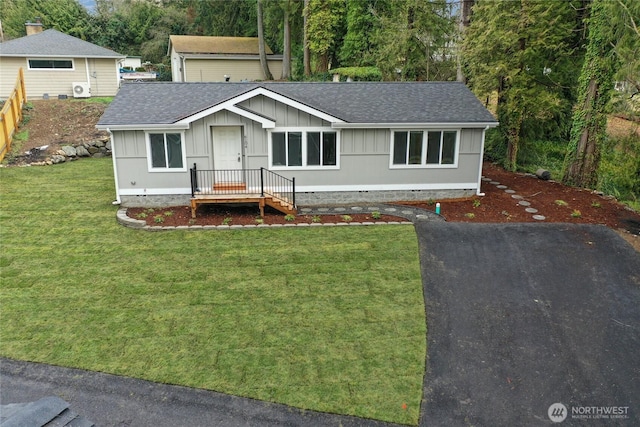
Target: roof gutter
x=117, y=201
x=478, y=192
x=40, y=55
x=150, y=126
x=396, y=125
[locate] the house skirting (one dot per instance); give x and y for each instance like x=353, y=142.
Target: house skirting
x=314, y=198
x=384, y=196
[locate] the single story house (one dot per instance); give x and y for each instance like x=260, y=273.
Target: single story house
x=219, y=59
x=57, y=64
x=338, y=142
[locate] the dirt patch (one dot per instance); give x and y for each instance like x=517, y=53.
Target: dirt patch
x=55, y=123
x=621, y=127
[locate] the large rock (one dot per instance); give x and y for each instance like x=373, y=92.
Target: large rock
x=69, y=151
x=82, y=152
x=56, y=158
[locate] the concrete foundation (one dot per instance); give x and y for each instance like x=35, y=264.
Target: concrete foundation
x=314, y=199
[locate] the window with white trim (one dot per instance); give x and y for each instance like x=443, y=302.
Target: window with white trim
x=304, y=149
x=424, y=148
x=165, y=151
x=50, y=64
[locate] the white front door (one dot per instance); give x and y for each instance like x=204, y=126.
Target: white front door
x=227, y=147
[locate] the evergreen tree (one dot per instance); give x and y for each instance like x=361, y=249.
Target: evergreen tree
x=520, y=51
x=325, y=30
x=66, y=16
x=414, y=40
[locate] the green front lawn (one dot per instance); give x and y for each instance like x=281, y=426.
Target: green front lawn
x=328, y=318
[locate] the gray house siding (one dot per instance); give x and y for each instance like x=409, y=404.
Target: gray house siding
x=364, y=172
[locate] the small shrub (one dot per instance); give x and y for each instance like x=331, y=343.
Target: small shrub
x=595, y=204
x=376, y=215
x=227, y=221
x=507, y=214
x=259, y=220
x=22, y=135
x=347, y=218
x=316, y=219
x=141, y=215
x=192, y=221
x=470, y=215
x=168, y=213
x=576, y=213
x=431, y=202
x=158, y=219
x=476, y=203
x=561, y=203
x=150, y=210
x=289, y=217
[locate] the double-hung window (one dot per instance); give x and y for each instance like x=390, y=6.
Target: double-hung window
x=314, y=149
x=418, y=148
x=165, y=152
x=50, y=64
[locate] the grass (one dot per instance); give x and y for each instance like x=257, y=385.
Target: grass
x=328, y=318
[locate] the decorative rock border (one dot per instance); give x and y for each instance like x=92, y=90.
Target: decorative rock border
x=410, y=213
x=97, y=148
x=521, y=202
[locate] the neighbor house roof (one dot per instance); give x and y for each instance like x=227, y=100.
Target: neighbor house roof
x=344, y=104
x=53, y=43
x=216, y=45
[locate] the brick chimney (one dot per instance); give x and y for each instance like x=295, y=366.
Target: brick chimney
x=34, y=27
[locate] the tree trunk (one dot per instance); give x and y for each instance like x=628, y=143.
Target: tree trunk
x=589, y=118
x=306, y=54
x=583, y=170
x=263, y=53
x=286, y=57
x=465, y=20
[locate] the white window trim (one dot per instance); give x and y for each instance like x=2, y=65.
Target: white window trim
x=150, y=167
x=73, y=64
x=425, y=133
x=304, y=131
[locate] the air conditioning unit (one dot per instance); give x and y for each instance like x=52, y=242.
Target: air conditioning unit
x=81, y=90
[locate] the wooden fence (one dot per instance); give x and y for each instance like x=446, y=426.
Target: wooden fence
x=11, y=114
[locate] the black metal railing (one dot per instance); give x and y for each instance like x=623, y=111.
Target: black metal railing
x=243, y=181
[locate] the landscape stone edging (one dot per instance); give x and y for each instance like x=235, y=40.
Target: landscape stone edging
x=124, y=219
x=97, y=148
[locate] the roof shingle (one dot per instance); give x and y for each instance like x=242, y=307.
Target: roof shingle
x=217, y=45
x=53, y=43
x=356, y=102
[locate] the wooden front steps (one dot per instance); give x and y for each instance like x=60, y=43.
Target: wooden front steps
x=262, y=201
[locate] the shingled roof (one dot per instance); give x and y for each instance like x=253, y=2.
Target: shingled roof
x=353, y=103
x=216, y=45
x=53, y=43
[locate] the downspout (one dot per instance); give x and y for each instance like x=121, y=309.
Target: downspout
x=86, y=68
x=183, y=66
x=478, y=193
x=117, y=201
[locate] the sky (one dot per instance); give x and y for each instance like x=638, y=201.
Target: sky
x=90, y=5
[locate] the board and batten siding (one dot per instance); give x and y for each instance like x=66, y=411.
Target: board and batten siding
x=101, y=73
x=364, y=155
x=214, y=70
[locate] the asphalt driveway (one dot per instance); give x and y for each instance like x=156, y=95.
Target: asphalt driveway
x=522, y=316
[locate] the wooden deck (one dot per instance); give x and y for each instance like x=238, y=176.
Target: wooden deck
x=227, y=198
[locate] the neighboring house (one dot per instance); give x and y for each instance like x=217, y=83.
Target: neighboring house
x=57, y=64
x=342, y=142
x=219, y=59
